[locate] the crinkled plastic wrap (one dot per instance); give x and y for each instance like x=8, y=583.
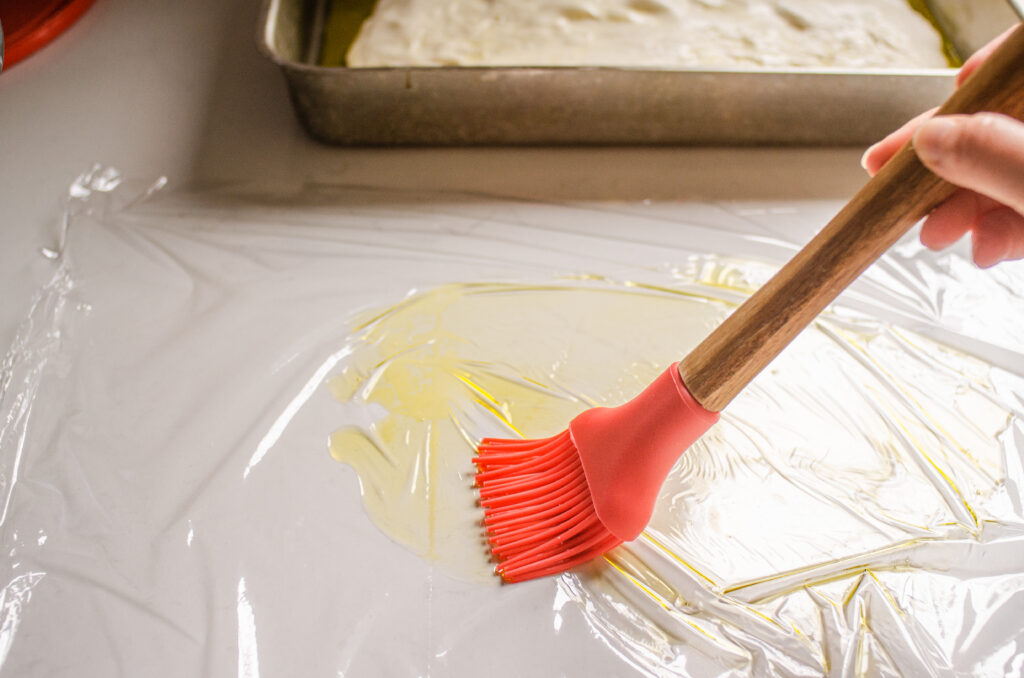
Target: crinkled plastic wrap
x=170, y=409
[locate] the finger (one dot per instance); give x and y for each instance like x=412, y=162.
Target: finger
x=978, y=57
x=950, y=220
x=983, y=152
x=879, y=154
x=998, y=236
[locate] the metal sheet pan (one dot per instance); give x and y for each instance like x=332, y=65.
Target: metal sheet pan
x=604, y=106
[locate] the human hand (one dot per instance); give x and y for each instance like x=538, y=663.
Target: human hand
x=983, y=154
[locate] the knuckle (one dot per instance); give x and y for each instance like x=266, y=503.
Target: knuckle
x=977, y=139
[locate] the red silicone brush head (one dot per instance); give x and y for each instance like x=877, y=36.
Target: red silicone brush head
x=553, y=504
x=538, y=510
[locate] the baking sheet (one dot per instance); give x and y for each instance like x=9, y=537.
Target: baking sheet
x=522, y=106
x=171, y=507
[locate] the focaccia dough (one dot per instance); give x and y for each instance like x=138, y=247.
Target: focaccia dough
x=648, y=33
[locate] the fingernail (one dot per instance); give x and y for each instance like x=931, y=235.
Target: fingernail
x=864, y=158
x=934, y=139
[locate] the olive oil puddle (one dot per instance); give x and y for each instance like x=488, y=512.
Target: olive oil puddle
x=449, y=366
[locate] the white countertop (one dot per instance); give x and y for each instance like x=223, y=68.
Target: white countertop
x=180, y=90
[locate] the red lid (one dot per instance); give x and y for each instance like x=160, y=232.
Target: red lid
x=28, y=26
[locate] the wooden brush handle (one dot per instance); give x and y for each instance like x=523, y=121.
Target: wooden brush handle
x=902, y=193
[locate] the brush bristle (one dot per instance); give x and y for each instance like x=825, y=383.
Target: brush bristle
x=538, y=512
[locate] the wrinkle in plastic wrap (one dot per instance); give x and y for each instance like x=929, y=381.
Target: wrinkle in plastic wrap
x=171, y=405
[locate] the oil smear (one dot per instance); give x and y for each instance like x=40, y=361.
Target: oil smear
x=433, y=374
x=867, y=480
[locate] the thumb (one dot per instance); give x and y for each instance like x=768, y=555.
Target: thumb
x=983, y=152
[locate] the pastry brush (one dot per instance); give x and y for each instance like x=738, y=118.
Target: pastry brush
x=552, y=504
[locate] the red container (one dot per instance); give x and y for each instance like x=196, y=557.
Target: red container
x=29, y=26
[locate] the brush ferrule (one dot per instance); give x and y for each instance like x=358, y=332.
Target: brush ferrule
x=628, y=451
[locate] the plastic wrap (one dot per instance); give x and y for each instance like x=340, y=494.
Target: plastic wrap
x=170, y=408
